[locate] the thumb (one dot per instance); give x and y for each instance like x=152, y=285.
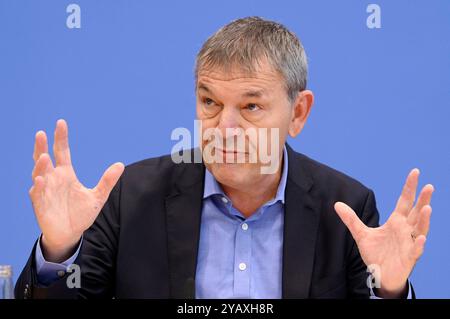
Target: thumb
x=109, y=180
x=350, y=219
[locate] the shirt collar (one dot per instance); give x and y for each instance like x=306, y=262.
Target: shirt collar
x=212, y=187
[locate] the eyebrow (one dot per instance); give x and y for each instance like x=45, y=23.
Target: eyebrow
x=201, y=86
x=250, y=93
x=253, y=93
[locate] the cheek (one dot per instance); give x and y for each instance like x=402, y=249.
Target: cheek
x=198, y=111
x=208, y=131
x=280, y=121
x=208, y=124
x=284, y=120
x=277, y=118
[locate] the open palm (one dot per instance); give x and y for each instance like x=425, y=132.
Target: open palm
x=64, y=208
x=394, y=247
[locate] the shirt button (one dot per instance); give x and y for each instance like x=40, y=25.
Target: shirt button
x=61, y=273
x=244, y=226
x=225, y=200
x=242, y=266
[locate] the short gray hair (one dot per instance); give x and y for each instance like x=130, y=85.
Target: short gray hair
x=245, y=42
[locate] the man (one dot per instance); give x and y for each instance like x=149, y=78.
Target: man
x=225, y=229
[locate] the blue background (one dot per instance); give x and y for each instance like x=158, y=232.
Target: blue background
x=124, y=81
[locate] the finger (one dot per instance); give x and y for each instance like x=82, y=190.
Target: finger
x=350, y=219
x=36, y=192
x=406, y=200
x=38, y=186
x=419, y=246
x=109, y=180
x=43, y=166
x=61, y=148
x=40, y=145
x=423, y=224
x=424, y=199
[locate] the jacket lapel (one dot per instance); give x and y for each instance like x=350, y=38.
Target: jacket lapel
x=301, y=222
x=183, y=217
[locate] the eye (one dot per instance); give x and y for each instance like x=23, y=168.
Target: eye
x=208, y=101
x=252, y=107
x=209, y=107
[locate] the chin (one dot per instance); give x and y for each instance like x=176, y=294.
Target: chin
x=232, y=175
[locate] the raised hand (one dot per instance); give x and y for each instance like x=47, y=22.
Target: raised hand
x=396, y=246
x=64, y=208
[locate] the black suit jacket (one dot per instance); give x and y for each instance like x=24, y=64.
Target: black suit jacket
x=144, y=243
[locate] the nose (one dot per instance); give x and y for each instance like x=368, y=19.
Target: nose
x=229, y=121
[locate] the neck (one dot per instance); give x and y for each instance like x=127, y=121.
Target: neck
x=248, y=200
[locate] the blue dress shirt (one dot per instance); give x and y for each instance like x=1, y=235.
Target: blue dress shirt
x=239, y=257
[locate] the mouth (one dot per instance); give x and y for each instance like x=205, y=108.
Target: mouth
x=230, y=152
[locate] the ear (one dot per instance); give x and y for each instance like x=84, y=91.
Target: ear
x=300, y=112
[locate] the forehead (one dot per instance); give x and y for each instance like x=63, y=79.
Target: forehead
x=262, y=78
